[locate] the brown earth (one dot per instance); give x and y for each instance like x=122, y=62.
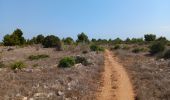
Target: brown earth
x=115, y=72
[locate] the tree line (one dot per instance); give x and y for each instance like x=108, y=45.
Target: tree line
x=16, y=38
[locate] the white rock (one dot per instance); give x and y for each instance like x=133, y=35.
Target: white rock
x=60, y=93
x=24, y=98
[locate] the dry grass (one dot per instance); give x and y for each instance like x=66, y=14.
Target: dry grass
x=46, y=81
x=151, y=77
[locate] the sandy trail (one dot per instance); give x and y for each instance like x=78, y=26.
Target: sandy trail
x=115, y=76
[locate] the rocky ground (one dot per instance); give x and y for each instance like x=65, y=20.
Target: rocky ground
x=46, y=81
x=150, y=76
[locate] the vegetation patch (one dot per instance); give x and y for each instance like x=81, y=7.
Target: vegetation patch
x=37, y=57
x=96, y=48
x=17, y=65
x=2, y=65
x=82, y=60
x=157, y=47
x=137, y=50
x=167, y=54
x=35, y=65
x=67, y=62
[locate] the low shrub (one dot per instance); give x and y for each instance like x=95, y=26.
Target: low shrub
x=126, y=47
x=117, y=46
x=2, y=65
x=37, y=57
x=96, y=48
x=82, y=60
x=166, y=55
x=157, y=47
x=66, y=62
x=17, y=65
x=137, y=50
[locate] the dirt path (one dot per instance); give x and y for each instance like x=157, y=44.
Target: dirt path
x=116, y=83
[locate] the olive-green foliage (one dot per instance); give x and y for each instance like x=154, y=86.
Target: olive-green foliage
x=36, y=40
x=166, y=55
x=52, y=41
x=150, y=37
x=15, y=38
x=117, y=46
x=68, y=41
x=82, y=60
x=35, y=65
x=157, y=47
x=17, y=65
x=66, y=62
x=82, y=38
x=136, y=40
x=117, y=41
x=138, y=49
x=2, y=65
x=125, y=47
x=162, y=39
x=94, y=47
x=93, y=40
x=37, y=57
x=39, y=39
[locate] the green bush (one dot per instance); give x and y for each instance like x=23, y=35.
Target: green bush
x=117, y=46
x=167, y=54
x=17, y=65
x=52, y=41
x=96, y=48
x=150, y=37
x=15, y=38
x=66, y=62
x=82, y=60
x=157, y=47
x=37, y=57
x=68, y=41
x=82, y=38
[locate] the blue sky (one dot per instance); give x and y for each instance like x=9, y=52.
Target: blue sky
x=98, y=18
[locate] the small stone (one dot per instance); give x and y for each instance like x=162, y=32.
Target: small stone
x=50, y=94
x=24, y=98
x=60, y=93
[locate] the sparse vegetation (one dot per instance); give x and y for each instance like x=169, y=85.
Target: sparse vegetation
x=37, y=57
x=35, y=65
x=167, y=54
x=68, y=41
x=66, y=62
x=91, y=66
x=137, y=50
x=82, y=60
x=2, y=65
x=117, y=46
x=17, y=65
x=94, y=47
x=157, y=47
